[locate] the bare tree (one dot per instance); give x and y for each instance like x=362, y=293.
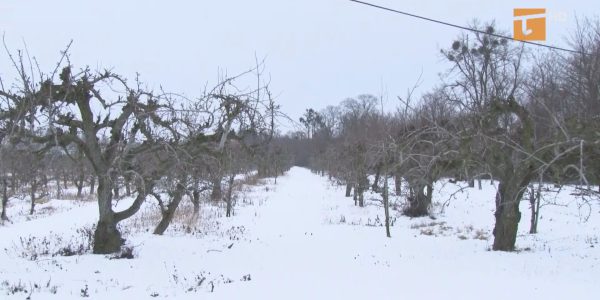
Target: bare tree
x=487, y=84
x=125, y=117
x=235, y=118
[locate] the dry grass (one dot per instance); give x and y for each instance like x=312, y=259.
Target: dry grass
x=149, y=216
x=428, y=231
x=42, y=200
x=425, y=224
x=431, y=228
x=73, y=197
x=481, y=235
x=442, y=229
x=184, y=221
x=469, y=230
x=46, y=210
x=252, y=180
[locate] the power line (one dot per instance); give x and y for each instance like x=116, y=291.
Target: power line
x=465, y=28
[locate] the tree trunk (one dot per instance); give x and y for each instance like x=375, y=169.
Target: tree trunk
x=3, y=216
x=196, y=201
x=32, y=195
x=507, y=215
x=92, y=184
x=398, y=184
x=419, y=201
x=45, y=181
x=116, y=191
x=537, y=206
x=107, y=238
x=79, y=184
x=355, y=195
x=58, y=188
x=169, y=213
x=229, y=196
x=535, y=201
x=479, y=184
x=262, y=171
x=363, y=184
x=348, y=190
x=532, y=203
x=471, y=183
x=14, y=184
x=361, y=197
x=217, y=193
x=386, y=206
x=80, y=190
x=375, y=185
x=128, y=187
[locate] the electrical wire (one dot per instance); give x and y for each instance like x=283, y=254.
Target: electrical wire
x=465, y=28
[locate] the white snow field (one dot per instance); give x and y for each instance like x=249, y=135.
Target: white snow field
x=302, y=239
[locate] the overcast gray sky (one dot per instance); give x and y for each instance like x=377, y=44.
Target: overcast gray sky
x=318, y=52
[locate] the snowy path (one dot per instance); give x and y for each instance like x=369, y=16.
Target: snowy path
x=295, y=247
x=301, y=256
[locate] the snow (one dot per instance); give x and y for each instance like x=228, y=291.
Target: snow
x=302, y=239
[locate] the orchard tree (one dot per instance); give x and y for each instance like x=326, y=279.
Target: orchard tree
x=115, y=123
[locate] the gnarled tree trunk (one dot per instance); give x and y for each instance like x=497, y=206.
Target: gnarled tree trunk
x=507, y=216
x=419, y=201
x=509, y=195
x=169, y=212
x=515, y=175
x=107, y=238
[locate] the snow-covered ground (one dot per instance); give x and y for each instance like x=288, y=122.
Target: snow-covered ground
x=301, y=239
